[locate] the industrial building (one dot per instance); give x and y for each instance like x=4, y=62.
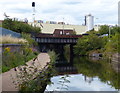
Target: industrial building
x=64, y=32
x=50, y=28
x=89, y=22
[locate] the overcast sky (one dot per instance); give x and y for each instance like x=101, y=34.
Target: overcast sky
x=73, y=11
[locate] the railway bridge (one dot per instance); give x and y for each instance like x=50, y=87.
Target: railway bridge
x=56, y=39
x=56, y=42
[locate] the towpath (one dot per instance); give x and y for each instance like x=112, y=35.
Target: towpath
x=6, y=78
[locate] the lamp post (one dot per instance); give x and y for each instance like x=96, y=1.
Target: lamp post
x=97, y=24
x=109, y=32
x=63, y=26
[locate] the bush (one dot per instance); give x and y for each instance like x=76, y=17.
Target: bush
x=113, y=46
x=88, y=43
x=27, y=82
x=14, y=59
x=19, y=27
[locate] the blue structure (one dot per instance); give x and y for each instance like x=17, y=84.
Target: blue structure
x=4, y=32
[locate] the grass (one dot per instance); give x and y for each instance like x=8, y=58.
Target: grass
x=13, y=40
x=0, y=24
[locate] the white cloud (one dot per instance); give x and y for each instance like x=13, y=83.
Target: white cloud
x=73, y=10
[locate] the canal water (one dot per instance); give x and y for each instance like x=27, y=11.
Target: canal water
x=84, y=74
x=76, y=73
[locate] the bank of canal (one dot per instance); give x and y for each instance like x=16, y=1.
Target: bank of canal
x=9, y=77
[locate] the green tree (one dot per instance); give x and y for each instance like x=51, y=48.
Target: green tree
x=20, y=27
x=104, y=29
x=113, y=45
x=92, y=32
x=88, y=43
x=7, y=23
x=115, y=29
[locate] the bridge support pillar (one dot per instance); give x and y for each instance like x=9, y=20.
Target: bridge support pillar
x=71, y=53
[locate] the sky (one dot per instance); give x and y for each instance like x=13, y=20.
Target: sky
x=71, y=11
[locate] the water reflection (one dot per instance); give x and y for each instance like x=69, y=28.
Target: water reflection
x=86, y=74
x=66, y=68
x=101, y=68
x=78, y=83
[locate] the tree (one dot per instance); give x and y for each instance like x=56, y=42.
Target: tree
x=20, y=27
x=115, y=29
x=113, y=45
x=92, y=32
x=7, y=23
x=88, y=43
x=104, y=29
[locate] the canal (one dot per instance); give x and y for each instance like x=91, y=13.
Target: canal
x=78, y=73
x=75, y=73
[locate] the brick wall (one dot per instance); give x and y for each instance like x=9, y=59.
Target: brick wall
x=13, y=47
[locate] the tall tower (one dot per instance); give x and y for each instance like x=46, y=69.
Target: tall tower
x=33, y=5
x=119, y=13
x=89, y=22
x=85, y=21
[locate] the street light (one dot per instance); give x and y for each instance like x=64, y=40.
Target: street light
x=63, y=25
x=109, y=32
x=97, y=24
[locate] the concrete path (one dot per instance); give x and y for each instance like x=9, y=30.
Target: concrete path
x=7, y=81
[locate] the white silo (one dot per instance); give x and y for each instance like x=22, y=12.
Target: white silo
x=89, y=22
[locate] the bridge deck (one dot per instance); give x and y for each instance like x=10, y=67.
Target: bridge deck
x=57, y=36
x=52, y=38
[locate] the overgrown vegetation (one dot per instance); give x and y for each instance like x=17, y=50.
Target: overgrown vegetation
x=53, y=56
x=14, y=59
x=31, y=42
x=19, y=27
x=12, y=40
x=104, y=29
x=33, y=78
x=93, y=42
x=88, y=43
x=26, y=52
x=113, y=45
x=0, y=24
